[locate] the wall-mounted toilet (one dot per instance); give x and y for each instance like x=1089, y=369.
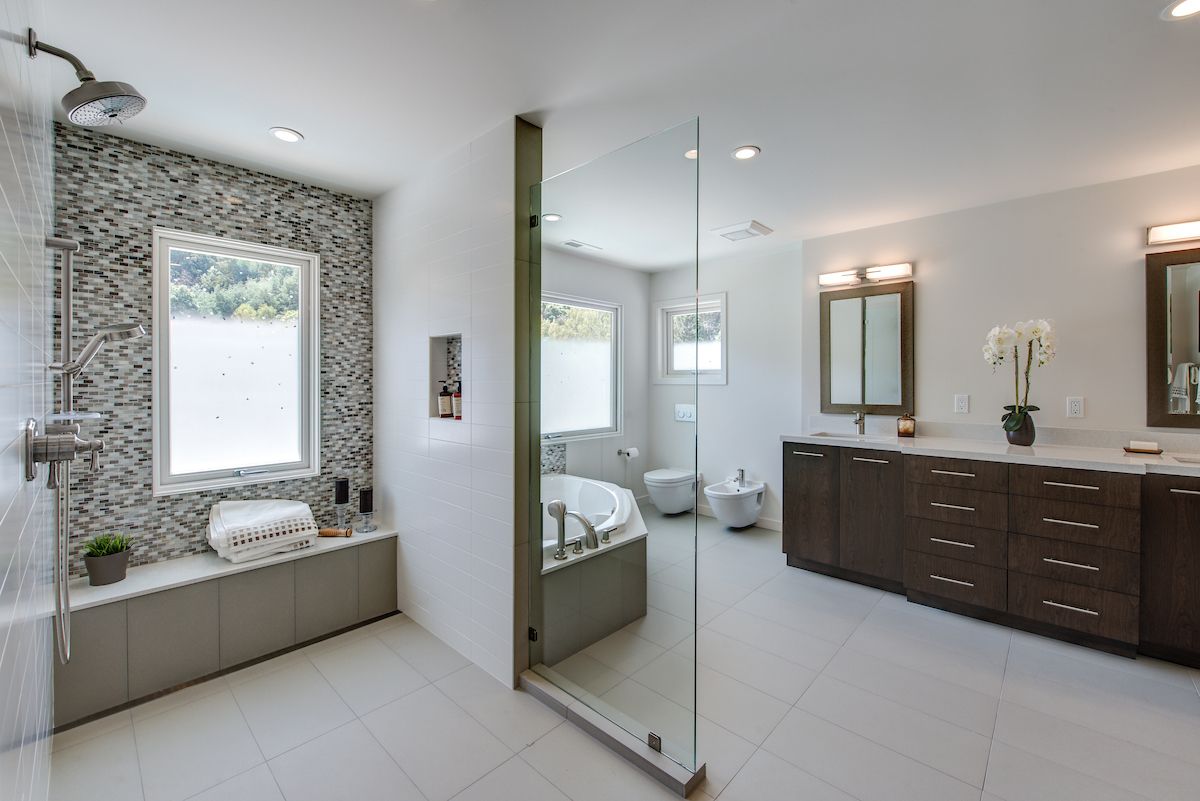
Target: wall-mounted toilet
x=672, y=490
x=736, y=504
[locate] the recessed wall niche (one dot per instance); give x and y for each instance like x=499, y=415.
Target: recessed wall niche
x=445, y=370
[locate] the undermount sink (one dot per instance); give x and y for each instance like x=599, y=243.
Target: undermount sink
x=1187, y=459
x=858, y=437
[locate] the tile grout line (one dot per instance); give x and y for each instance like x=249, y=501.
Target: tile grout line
x=996, y=717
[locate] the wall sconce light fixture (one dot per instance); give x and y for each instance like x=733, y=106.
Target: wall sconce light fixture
x=1170, y=234
x=886, y=272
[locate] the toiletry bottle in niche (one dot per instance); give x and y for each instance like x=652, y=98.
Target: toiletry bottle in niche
x=456, y=402
x=444, y=402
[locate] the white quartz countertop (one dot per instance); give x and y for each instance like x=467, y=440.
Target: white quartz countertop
x=1111, y=459
x=171, y=573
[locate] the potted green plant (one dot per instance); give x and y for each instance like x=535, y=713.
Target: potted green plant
x=106, y=557
x=1003, y=345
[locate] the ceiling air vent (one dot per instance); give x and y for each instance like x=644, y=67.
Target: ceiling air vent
x=575, y=243
x=744, y=230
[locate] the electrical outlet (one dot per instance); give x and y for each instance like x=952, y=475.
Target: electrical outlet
x=1074, y=407
x=962, y=404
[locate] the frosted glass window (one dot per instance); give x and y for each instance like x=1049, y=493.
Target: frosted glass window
x=236, y=394
x=581, y=386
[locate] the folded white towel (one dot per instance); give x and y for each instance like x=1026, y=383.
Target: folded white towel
x=1178, y=396
x=244, y=530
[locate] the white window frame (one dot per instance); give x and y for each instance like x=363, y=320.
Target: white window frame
x=664, y=310
x=618, y=369
x=309, y=465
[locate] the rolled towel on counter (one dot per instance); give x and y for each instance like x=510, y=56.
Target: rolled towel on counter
x=244, y=530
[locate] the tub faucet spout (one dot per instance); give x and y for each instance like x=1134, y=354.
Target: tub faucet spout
x=589, y=531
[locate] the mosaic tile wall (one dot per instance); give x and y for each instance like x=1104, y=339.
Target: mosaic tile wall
x=110, y=193
x=554, y=459
x=453, y=361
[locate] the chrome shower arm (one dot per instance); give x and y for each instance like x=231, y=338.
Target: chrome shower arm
x=81, y=72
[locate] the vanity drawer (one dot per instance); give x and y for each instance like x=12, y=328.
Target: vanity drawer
x=953, y=505
x=968, y=583
x=982, y=546
x=1085, y=523
x=1081, y=486
x=963, y=473
x=1102, y=613
x=1104, y=568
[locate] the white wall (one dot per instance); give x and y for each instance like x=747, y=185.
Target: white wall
x=26, y=347
x=591, y=279
x=739, y=423
x=1076, y=257
x=444, y=263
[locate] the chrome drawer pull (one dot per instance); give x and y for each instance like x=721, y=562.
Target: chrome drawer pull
x=952, y=506
x=1070, y=486
x=950, y=580
x=951, y=542
x=1185, y=492
x=1070, y=608
x=1069, y=564
x=872, y=461
x=952, y=473
x=808, y=453
x=1069, y=523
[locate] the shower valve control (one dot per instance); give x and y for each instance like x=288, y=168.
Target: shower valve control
x=60, y=443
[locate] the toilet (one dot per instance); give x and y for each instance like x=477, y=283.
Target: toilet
x=736, y=506
x=671, y=490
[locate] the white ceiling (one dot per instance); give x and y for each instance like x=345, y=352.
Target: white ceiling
x=868, y=111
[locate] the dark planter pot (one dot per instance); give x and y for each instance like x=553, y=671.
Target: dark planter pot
x=106, y=569
x=1025, y=433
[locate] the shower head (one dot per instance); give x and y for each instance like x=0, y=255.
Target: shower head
x=93, y=103
x=109, y=333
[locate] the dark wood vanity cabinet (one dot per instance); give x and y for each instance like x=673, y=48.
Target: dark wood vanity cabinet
x=1170, y=586
x=843, y=512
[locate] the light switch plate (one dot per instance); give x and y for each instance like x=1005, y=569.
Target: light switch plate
x=962, y=404
x=1074, y=407
x=685, y=412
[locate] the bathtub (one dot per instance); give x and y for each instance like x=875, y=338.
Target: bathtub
x=606, y=506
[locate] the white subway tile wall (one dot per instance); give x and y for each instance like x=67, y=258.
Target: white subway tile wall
x=26, y=317
x=444, y=264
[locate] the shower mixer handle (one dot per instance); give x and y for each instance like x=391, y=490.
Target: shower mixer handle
x=61, y=443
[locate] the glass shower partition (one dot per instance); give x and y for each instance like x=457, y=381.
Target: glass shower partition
x=613, y=585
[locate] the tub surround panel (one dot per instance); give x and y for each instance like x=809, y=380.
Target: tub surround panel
x=110, y=193
x=26, y=345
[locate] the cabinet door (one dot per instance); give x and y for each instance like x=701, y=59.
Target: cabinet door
x=872, y=514
x=810, y=502
x=1170, y=586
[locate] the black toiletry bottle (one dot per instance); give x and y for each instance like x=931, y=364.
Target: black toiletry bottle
x=444, y=402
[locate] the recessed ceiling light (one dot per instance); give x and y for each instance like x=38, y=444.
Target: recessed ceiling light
x=551, y=217
x=286, y=134
x=1181, y=9
x=692, y=154
x=746, y=152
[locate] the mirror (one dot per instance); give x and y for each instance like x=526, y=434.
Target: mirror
x=1173, y=339
x=867, y=349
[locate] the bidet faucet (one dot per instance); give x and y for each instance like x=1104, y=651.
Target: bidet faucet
x=860, y=420
x=740, y=477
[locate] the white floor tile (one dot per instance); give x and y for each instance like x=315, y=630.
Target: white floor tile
x=953, y=665
x=723, y=753
x=290, y=707
x=766, y=777
x=587, y=771
x=803, y=649
x=1017, y=775
x=743, y=710
x=256, y=784
x=194, y=747
x=588, y=673
x=763, y=671
x=80, y=734
x=639, y=709
x=681, y=604
x=829, y=621
x=179, y=698
x=945, y=700
x=515, y=780
x=624, y=652
x=1142, y=667
x=429, y=655
x=661, y=628
x=858, y=766
x=1117, y=762
x=367, y=674
x=441, y=748
x=107, y=764
x=345, y=763
x=951, y=749
x=267, y=666
x=516, y=718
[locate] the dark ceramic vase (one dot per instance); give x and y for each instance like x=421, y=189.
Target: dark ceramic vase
x=106, y=569
x=1025, y=433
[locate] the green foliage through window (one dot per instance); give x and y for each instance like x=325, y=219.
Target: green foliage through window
x=563, y=321
x=209, y=285
x=705, y=327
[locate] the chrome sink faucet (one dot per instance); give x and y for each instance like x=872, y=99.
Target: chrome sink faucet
x=860, y=420
x=740, y=477
x=558, y=510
